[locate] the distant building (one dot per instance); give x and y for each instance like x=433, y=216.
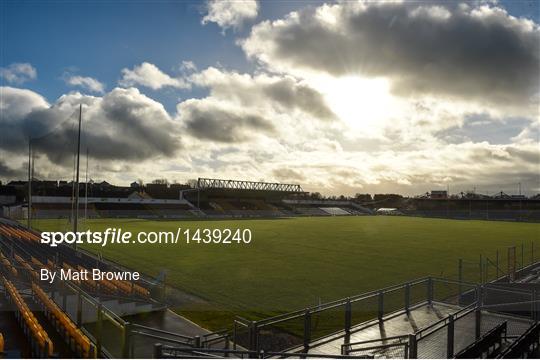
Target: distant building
x=438, y=194
x=518, y=197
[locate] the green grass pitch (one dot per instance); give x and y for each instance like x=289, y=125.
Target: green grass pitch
x=298, y=262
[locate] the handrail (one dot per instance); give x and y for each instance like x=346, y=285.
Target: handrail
x=137, y=326
x=496, y=305
x=397, y=337
x=456, y=316
x=455, y=282
x=519, y=346
x=347, y=348
x=499, y=287
x=382, y=346
x=162, y=338
x=160, y=349
x=218, y=332
x=476, y=349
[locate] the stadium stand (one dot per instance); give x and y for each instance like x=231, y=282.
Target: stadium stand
x=311, y=211
x=143, y=210
x=26, y=256
x=80, y=343
x=40, y=343
x=65, y=256
x=60, y=210
x=7, y=265
x=335, y=211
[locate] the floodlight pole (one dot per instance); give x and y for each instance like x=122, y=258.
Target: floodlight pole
x=77, y=179
x=86, y=190
x=29, y=206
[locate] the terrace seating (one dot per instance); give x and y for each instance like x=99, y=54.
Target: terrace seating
x=26, y=266
x=17, y=232
x=110, y=286
x=59, y=210
x=311, y=211
x=7, y=265
x=40, y=342
x=113, y=287
x=38, y=263
x=79, y=342
x=335, y=211
x=28, y=246
x=122, y=210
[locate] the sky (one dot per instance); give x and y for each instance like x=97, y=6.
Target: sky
x=341, y=97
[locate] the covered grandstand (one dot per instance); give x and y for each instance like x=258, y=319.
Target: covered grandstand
x=219, y=198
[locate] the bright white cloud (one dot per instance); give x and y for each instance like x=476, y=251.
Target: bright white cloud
x=420, y=49
x=188, y=66
x=16, y=103
x=230, y=13
x=149, y=75
x=324, y=110
x=87, y=83
x=18, y=73
x=281, y=93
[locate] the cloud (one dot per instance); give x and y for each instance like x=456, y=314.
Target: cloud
x=188, y=66
x=122, y=125
x=230, y=14
x=149, y=75
x=208, y=119
x=87, y=83
x=18, y=73
x=474, y=53
x=287, y=174
x=8, y=172
x=244, y=107
x=282, y=93
x=345, y=98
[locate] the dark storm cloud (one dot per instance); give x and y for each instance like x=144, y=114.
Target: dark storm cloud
x=455, y=50
x=123, y=125
x=206, y=120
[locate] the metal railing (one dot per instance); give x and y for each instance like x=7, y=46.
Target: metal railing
x=163, y=352
x=526, y=346
x=488, y=344
x=325, y=322
x=392, y=347
x=315, y=326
